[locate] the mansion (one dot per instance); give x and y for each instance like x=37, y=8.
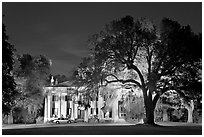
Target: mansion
x=61, y=100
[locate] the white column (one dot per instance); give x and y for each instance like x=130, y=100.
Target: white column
x=86, y=115
x=45, y=109
x=48, y=106
x=100, y=104
x=64, y=107
x=94, y=106
x=115, y=110
x=59, y=105
x=75, y=111
x=72, y=110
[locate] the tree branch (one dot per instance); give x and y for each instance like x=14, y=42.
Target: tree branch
x=122, y=81
x=170, y=106
x=149, y=58
x=139, y=73
x=156, y=97
x=135, y=51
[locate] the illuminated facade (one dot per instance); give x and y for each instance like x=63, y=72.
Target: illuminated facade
x=61, y=100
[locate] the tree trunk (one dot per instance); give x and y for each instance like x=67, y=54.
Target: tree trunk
x=190, y=111
x=149, y=114
x=149, y=109
x=190, y=116
x=10, y=118
x=165, y=115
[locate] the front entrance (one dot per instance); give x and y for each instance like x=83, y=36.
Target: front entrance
x=80, y=114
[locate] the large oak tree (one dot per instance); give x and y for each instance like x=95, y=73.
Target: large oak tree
x=159, y=57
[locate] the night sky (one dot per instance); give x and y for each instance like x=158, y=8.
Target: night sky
x=61, y=30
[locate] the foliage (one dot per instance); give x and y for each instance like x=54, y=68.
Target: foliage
x=8, y=84
x=172, y=98
x=40, y=120
x=61, y=78
x=87, y=76
x=22, y=115
x=31, y=74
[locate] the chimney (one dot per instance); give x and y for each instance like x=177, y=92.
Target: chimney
x=52, y=81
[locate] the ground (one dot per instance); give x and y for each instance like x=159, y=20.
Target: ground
x=104, y=129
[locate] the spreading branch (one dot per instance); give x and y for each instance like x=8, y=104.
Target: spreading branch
x=139, y=73
x=116, y=79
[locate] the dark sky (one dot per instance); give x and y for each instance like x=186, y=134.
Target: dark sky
x=61, y=30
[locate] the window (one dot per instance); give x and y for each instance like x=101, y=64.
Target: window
x=68, y=98
x=54, y=98
x=54, y=111
x=92, y=110
x=68, y=105
x=110, y=114
x=122, y=109
x=120, y=103
x=53, y=105
x=96, y=110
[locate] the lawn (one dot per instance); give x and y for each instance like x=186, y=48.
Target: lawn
x=108, y=130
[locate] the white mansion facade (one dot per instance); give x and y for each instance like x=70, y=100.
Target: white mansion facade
x=61, y=100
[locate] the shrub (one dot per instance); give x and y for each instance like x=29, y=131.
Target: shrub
x=39, y=120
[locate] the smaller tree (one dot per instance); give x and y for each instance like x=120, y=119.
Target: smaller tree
x=8, y=84
x=31, y=74
x=87, y=76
